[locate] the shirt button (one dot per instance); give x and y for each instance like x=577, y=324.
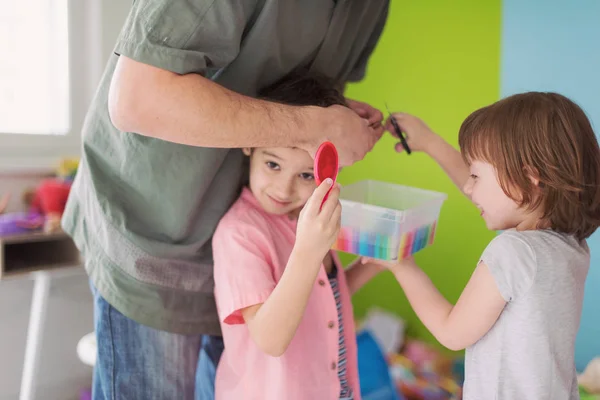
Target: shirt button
x=331, y=324
x=321, y=282
x=333, y=365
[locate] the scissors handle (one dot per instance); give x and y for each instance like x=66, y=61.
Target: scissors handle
x=400, y=135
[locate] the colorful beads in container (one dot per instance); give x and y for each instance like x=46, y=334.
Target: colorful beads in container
x=411, y=242
x=387, y=221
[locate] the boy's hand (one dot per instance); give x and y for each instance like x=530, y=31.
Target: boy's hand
x=418, y=135
x=318, y=227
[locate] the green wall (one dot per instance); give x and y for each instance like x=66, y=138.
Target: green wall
x=439, y=60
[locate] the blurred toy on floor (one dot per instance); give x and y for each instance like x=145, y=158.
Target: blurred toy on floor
x=50, y=197
x=418, y=370
x=376, y=382
x=4, y=202
x=589, y=380
x=387, y=328
x=424, y=373
x=44, y=204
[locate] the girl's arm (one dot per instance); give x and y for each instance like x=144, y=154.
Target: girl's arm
x=358, y=274
x=273, y=324
x=450, y=160
x=421, y=138
x=455, y=327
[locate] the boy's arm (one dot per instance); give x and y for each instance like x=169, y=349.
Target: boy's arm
x=285, y=306
x=358, y=275
x=455, y=327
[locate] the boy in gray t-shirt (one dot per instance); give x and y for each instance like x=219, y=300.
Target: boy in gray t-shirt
x=533, y=170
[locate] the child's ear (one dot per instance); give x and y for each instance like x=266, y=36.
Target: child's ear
x=247, y=151
x=534, y=176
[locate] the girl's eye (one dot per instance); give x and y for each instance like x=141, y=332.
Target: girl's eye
x=473, y=176
x=272, y=165
x=307, y=176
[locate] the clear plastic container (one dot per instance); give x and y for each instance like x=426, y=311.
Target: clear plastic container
x=387, y=221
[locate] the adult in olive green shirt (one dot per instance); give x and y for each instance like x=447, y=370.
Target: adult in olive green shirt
x=161, y=164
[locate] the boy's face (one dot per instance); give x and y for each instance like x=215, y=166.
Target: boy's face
x=499, y=211
x=281, y=179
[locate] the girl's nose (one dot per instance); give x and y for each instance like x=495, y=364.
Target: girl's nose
x=468, y=187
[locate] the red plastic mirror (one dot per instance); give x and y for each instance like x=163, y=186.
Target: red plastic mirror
x=326, y=162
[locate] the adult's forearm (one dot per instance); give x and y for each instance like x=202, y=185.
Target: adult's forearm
x=192, y=110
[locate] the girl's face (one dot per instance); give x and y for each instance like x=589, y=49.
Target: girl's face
x=499, y=211
x=281, y=179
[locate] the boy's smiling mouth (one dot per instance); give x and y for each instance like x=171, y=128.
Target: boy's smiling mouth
x=278, y=202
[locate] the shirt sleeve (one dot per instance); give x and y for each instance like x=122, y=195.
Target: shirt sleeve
x=184, y=36
x=242, y=270
x=360, y=69
x=512, y=263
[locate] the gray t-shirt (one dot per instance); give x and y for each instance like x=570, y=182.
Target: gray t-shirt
x=530, y=352
x=143, y=210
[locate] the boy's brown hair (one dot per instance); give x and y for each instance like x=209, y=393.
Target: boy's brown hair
x=544, y=137
x=301, y=88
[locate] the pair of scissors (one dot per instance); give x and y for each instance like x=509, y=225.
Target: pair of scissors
x=399, y=133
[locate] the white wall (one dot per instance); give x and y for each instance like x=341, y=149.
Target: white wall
x=70, y=309
x=113, y=14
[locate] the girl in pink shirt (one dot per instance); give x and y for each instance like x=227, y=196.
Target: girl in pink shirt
x=282, y=295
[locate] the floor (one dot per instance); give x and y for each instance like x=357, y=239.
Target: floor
x=61, y=376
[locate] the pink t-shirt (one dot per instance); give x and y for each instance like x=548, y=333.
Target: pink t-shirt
x=251, y=249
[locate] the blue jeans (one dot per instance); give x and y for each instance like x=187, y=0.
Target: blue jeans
x=136, y=362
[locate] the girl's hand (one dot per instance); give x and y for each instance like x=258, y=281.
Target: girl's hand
x=318, y=227
x=418, y=135
x=393, y=266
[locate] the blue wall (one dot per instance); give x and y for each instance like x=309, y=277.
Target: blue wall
x=552, y=45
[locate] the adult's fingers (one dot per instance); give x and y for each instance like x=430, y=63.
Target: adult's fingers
x=375, y=116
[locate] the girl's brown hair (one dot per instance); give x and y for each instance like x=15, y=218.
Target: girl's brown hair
x=542, y=137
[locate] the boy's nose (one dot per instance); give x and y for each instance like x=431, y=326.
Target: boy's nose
x=284, y=187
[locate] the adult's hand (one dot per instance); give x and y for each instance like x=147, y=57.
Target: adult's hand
x=352, y=135
x=368, y=112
